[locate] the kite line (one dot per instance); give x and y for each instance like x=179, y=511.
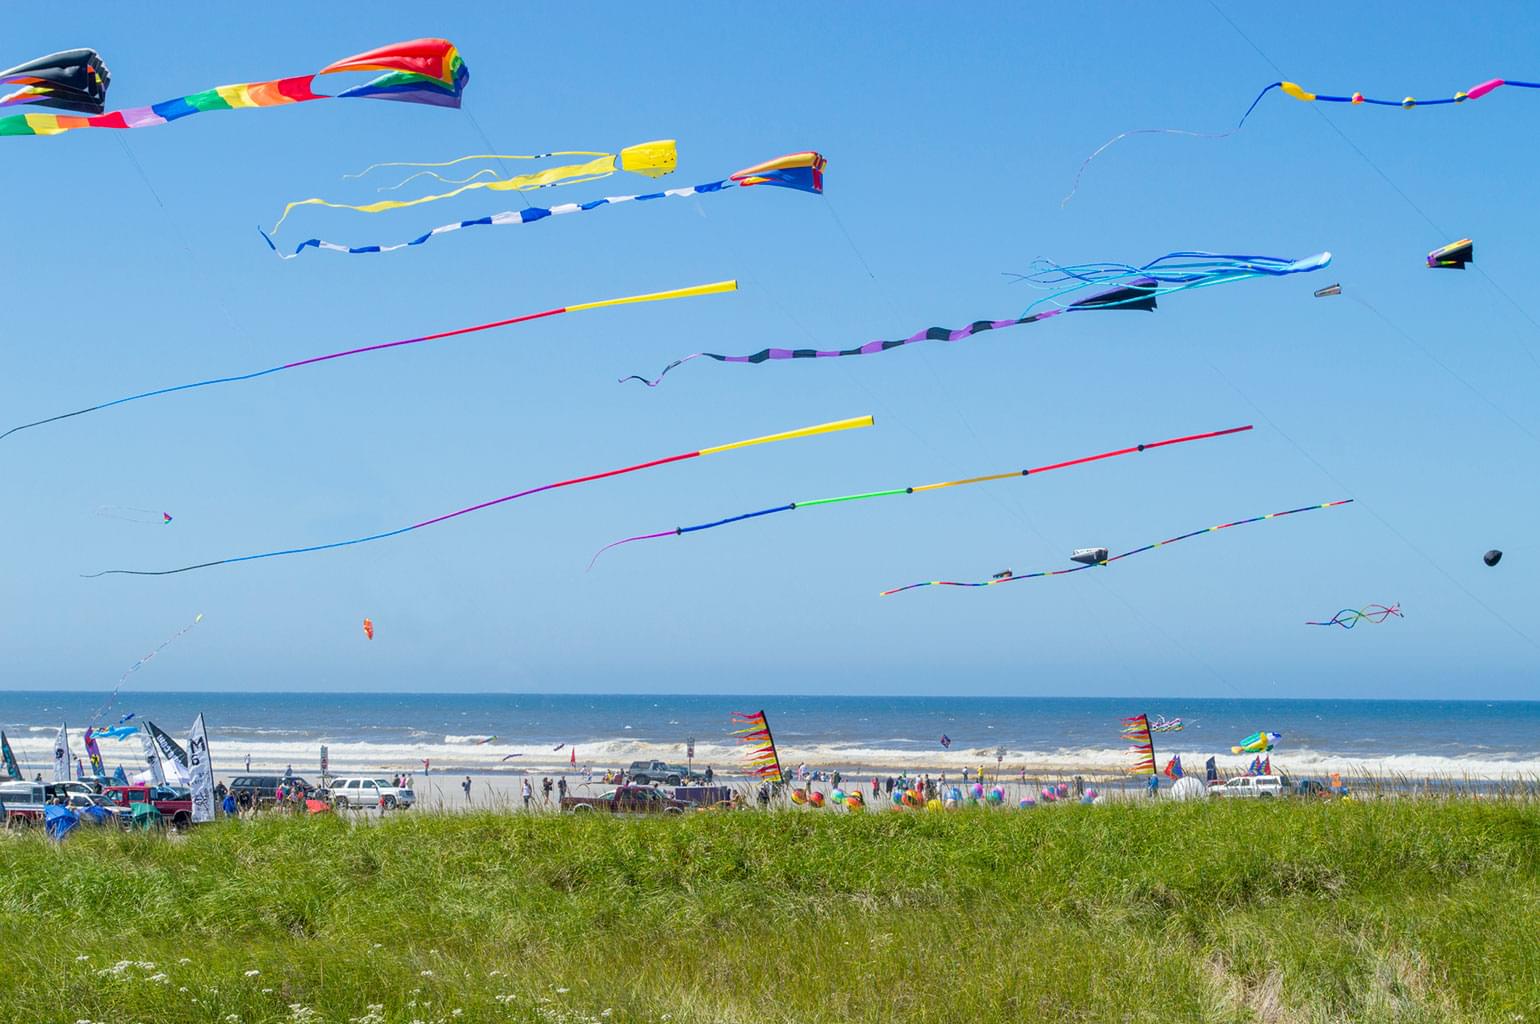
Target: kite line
x=136, y=666
x=678, y=293
x=679, y=531
x=1124, y=287
x=787, y=435
x=1347, y=618
x=1114, y=558
x=1475, y=92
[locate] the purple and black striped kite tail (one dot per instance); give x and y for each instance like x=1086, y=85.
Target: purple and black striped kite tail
x=929, y=334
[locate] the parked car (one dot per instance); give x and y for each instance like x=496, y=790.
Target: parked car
x=369, y=792
x=263, y=789
x=55, y=789
x=1251, y=787
x=625, y=800
x=83, y=804
x=645, y=773
x=21, y=803
x=173, y=802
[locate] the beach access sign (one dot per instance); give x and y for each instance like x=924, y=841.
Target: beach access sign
x=325, y=760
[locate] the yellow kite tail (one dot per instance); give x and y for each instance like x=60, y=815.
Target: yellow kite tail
x=788, y=435
x=649, y=158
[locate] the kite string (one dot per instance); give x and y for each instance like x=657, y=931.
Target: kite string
x=136, y=666
x=1013, y=507
x=1372, y=511
x=1388, y=181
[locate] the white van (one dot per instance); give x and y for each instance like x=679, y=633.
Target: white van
x=1251, y=787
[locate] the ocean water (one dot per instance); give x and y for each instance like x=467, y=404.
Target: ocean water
x=1496, y=739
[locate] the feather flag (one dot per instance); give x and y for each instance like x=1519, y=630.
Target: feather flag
x=12, y=769
x=94, y=752
x=1136, y=731
x=763, y=760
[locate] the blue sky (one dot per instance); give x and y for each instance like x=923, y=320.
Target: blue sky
x=950, y=141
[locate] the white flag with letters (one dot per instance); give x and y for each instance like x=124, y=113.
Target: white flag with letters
x=200, y=771
x=61, y=755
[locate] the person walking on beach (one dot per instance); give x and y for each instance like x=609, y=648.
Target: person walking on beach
x=709, y=775
x=466, y=785
x=248, y=762
x=561, y=788
x=529, y=793
x=545, y=790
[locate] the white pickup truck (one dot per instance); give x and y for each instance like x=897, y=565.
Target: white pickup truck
x=1252, y=787
x=363, y=791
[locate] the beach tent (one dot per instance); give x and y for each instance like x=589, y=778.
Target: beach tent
x=95, y=815
x=1188, y=787
x=317, y=806
x=146, y=817
x=59, y=821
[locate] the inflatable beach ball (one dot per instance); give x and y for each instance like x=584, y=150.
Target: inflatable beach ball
x=854, y=801
x=838, y=796
x=1062, y=789
x=934, y=804
x=815, y=798
x=997, y=795
x=978, y=790
x=955, y=796
x=1048, y=794
x=799, y=796
x=1092, y=794
x=1027, y=802
x=898, y=797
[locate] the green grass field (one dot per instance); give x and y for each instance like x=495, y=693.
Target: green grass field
x=1291, y=911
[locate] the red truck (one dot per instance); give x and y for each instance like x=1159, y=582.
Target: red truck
x=175, y=806
x=625, y=800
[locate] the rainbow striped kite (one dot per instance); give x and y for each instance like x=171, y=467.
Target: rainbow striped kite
x=764, y=762
x=1136, y=731
x=426, y=71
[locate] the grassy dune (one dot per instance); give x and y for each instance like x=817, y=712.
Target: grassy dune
x=1379, y=911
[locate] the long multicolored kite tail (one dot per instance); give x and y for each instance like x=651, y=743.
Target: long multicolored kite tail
x=112, y=698
x=1121, y=286
x=1475, y=92
x=1136, y=732
x=426, y=71
x=1347, y=618
x=787, y=435
x=679, y=531
x=716, y=288
x=764, y=761
x=800, y=171
x=653, y=159
x=1114, y=558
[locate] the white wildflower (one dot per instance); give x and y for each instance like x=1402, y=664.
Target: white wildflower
x=253, y=973
x=267, y=991
x=82, y=958
x=185, y=960
x=160, y=977
x=563, y=991
x=425, y=974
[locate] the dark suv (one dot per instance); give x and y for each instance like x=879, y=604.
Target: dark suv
x=263, y=789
